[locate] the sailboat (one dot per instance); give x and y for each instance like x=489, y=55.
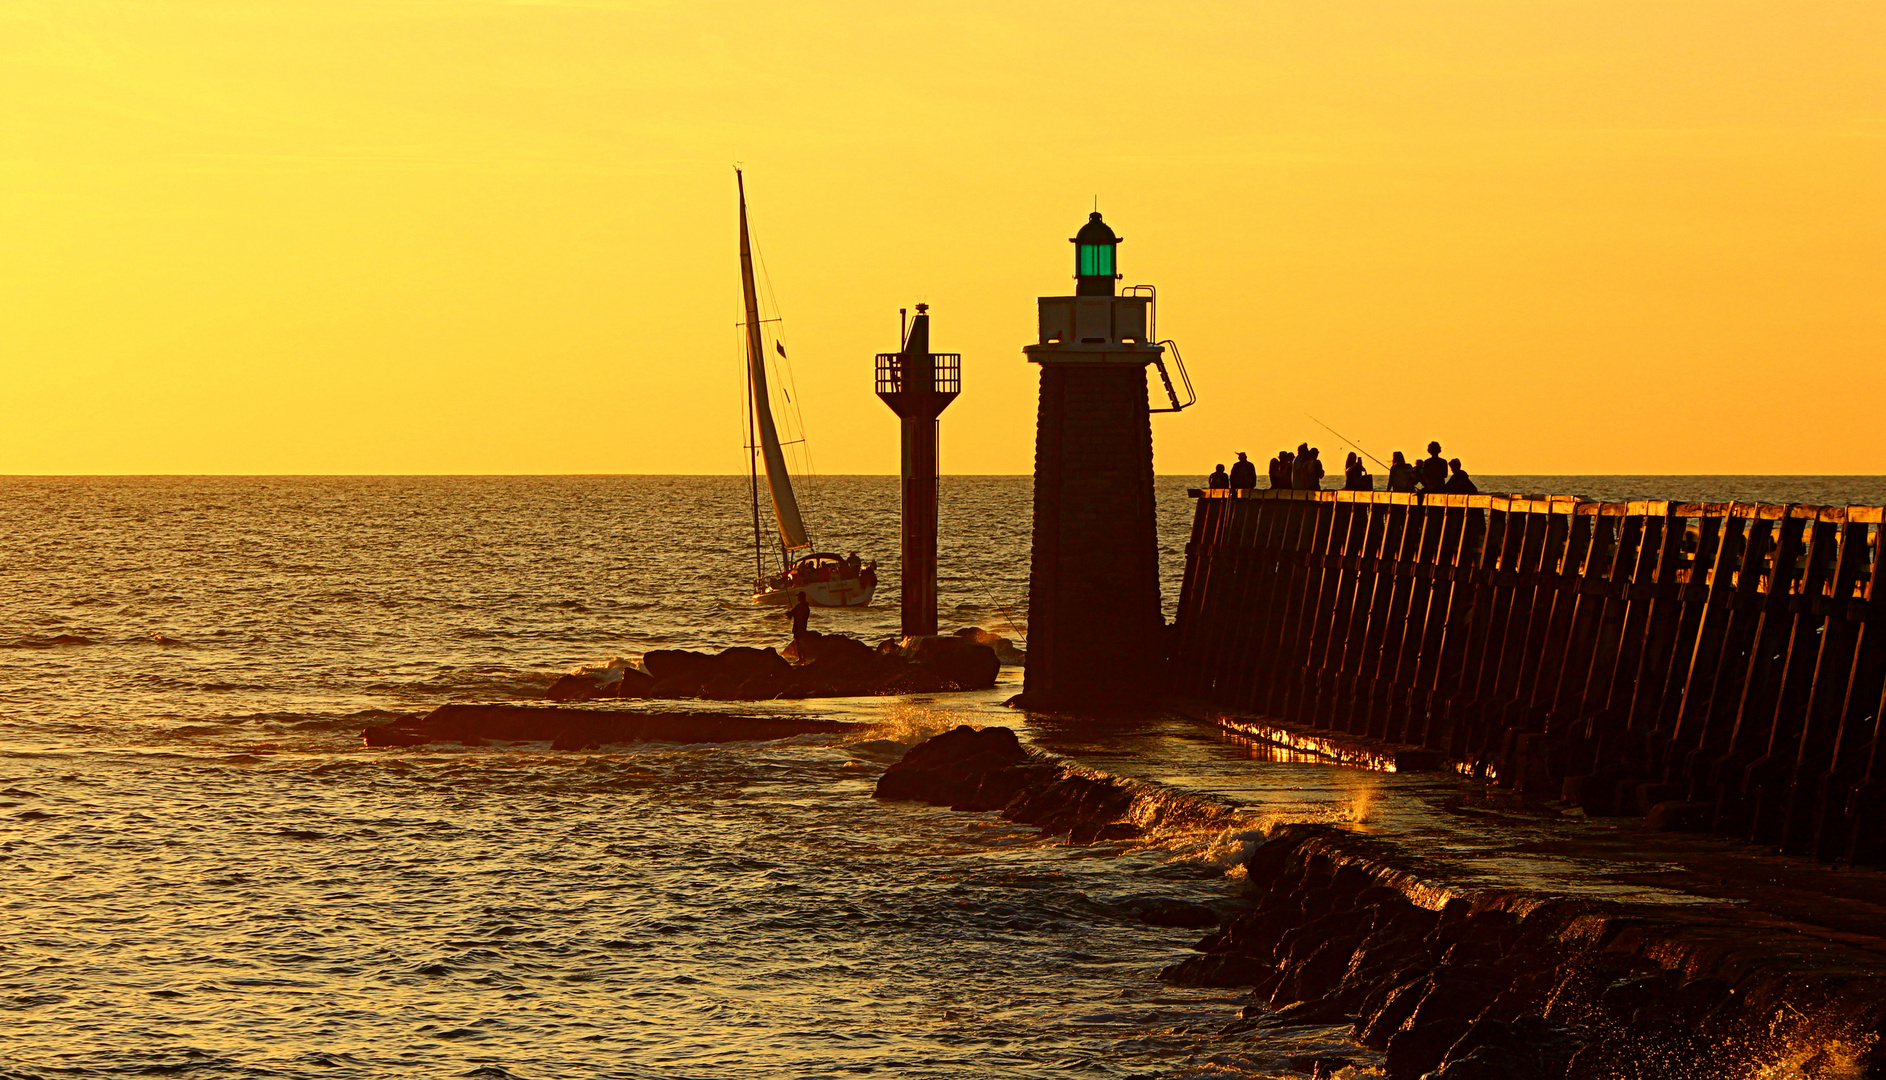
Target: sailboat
x=821, y=577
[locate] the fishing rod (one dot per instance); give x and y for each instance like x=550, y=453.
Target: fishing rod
x=1350, y=441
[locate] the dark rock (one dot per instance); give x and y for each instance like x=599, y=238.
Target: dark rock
x=675, y=664
x=1318, y=973
x=577, y=728
x=394, y=734
x=1417, y=1049
x=954, y=768
x=1456, y=997
x=1488, y=1033
x=1219, y=969
x=1317, y=1012
x=834, y=652
x=1678, y=816
x=744, y=674
x=1627, y=995
x=1378, y=1026
x=574, y=688
x=960, y=664
x=1101, y=832
x=634, y=684
x=1005, y=650
x=1488, y=1063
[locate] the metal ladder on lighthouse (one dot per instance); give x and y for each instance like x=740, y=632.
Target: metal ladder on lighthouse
x=1165, y=376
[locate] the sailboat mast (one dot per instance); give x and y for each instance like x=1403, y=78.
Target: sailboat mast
x=753, y=486
x=785, y=507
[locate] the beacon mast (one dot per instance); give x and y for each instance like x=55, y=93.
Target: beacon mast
x=919, y=384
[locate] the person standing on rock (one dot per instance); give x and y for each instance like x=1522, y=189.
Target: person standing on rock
x=801, y=612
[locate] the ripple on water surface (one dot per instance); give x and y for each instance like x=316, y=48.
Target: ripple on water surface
x=724, y=911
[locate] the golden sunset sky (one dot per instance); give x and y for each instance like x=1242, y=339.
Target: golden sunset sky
x=470, y=236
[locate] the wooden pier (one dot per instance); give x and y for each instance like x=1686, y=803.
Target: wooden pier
x=1722, y=663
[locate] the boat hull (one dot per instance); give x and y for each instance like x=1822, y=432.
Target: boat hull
x=849, y=592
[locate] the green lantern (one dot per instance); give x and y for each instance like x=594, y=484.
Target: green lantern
x=1094, y=265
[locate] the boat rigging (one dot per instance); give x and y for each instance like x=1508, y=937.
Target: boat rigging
x=823, y=578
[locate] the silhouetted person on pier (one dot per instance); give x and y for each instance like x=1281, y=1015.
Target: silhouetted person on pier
x=1355, y=477
x=1460, y=483
x=1243, y=472
x=1280, y=469
x=1306, y=474
x=1218, y=479
x=801, y=612
x=1433, y=470
x=1401, y=475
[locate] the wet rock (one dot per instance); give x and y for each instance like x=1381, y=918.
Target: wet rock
x=614, y=681
x=1005, y=650
x=574, y=688
x=958, y=662
x=963, y=767
x=1317, y=1012
x=1220, y=969
x=988, y=769
x=816, y=665
x=835, y=651
x=400, y=732
x=1487, y=1063
x=1415, y=1050
x=578, y=728
x=675, y=663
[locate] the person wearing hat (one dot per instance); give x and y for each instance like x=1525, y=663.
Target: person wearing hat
x=1243, y=472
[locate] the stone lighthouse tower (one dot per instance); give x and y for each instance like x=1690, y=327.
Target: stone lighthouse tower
x=1096, y=635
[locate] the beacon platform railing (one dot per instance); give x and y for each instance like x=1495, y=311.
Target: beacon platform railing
x=1722, y=663
x=948, y=377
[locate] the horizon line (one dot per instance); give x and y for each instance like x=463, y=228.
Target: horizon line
x=815, y=476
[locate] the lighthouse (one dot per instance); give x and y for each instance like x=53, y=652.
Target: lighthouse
x=919, y=384
x=1096, y=634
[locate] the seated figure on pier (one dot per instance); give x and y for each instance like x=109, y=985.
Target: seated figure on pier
x=1243, y=472
x=1354, y=476
x=1433, y=469
x=1401, y=475
x=1460, y=483
x=1218, y=479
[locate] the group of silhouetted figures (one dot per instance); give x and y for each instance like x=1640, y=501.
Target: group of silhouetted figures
x=1303, y=471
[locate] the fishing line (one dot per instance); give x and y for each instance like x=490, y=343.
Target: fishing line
x=1350, y=441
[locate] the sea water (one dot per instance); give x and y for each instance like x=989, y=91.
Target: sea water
x=205, y=872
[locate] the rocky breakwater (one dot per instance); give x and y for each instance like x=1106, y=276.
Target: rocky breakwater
x=989, y=769
x=584, y=727
x=817, y=665
x=1481, y=985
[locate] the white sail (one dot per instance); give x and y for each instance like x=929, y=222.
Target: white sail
x=778, y=481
